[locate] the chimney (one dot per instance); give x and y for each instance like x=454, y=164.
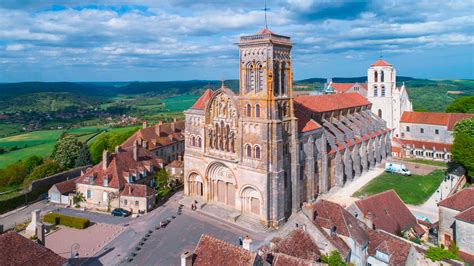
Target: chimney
x=145, y=124
x=105, y=159
x=187, y=258
x=157, y=129
x=370, y=221
x=117, y=149
x=247, y=243
x=135, y=150
x=173, y=126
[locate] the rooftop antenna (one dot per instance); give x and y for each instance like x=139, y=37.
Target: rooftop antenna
x=265, y=10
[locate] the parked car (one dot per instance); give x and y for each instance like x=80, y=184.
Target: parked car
x=396, y=168
x=120, y=212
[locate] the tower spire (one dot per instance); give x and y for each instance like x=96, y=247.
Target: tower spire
x=265, y=10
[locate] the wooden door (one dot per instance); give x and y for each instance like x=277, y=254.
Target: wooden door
x=255, y=206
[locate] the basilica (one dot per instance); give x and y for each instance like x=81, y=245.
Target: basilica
x=264, y=151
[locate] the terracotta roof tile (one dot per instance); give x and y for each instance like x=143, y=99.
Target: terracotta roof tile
x=444, y=119
x=18, y=250
x=425, y=144
x=389, y=213
x=305, y=123
x=298, y=244
x=154, y=140
x=341, y=87
x=137, y=190
x=381, y=62
x=202, y=101
x=331, y=215
x=175, y=164
x=467, y=215
x=331, y=102
x=280, y=259
x=466, y=257
x=264, y=31
x=397, y=249
x=67, y=186
x=211, y=251
x=460, y=201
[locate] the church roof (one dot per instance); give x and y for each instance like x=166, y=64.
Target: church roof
x=202, y=101
x=305, y=123
x=444, y=119
x=331, y=102
x=265, y=31
x=381, y=62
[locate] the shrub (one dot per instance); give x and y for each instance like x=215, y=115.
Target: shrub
x=438, y=254
x=66, y=220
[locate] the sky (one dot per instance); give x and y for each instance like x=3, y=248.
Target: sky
x=159, y=40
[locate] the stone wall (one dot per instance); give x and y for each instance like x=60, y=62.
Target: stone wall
x=37, y=188
x=464, y=236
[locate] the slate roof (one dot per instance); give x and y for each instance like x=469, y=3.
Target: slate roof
x=444, y=119
x=329, y=215
x=18, y=250
x=121, y=165
x=211, y=251
x=137, y=190
x=389, y=213
x=381, y=62
x=201, y=103
x=298, y=244
x=466, y=216
x=331, y=102
x=460, y=201
x=397, y=249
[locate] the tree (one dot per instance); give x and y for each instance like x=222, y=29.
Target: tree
x=108, y=141
x=461, y=105
x=463, y=145
x=46, y=169
x=84, y=157
x=15, y=173
x=161, y=178
x=67, y=151
x=334, y=259
x=31, y=162
x=78, y=198
x=438, y=254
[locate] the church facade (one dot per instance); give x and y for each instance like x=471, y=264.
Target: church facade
x=263, y=151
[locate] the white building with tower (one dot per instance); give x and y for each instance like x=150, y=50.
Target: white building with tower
x=388, y=101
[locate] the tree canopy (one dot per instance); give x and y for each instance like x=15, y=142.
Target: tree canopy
x=67, y=151
x=107, y=141
x=463, y=104
x=463, y=145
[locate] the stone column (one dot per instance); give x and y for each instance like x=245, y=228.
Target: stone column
x=35, y=218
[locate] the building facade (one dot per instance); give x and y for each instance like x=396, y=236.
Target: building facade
x=388, y=101
x=335, y=87
x=263, y=151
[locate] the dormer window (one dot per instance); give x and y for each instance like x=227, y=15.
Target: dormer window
x=130, y=179
x=106, y=182
x=382, y=256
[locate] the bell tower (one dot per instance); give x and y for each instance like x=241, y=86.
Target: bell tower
x=268, y=121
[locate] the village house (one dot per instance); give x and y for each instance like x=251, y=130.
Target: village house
x=334, y=87
x=137, y=198
x=426, y=135
x=165, y=140
x=387, y=212
x=456, y=218
x=102, y=184
x=63, y=192
x=175, y=169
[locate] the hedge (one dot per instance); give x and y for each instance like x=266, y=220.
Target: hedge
x=70, y=221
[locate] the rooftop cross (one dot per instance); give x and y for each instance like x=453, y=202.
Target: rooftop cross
x=265, y=10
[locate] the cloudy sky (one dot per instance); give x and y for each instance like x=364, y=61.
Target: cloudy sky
x=195, y=39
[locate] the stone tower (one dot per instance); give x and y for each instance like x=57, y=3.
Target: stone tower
x=268, y=121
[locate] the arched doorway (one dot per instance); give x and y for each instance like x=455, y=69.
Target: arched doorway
x=222, y=184
x=195, y=185
x=251, y=201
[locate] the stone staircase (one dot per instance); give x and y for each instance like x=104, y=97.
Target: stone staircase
x=251, y=223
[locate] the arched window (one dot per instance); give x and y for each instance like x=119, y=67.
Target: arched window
x=376, y=91
x=248, y=151
x=261, y=78
x=380, y=113
x=193, y=141
x=248, y=110
x=199, y=142
x=383, y=90
x=408, y=129
x=276, y=78
x=283, y=78
x=376, y=77
x=381, y=76
x=250, y=77
x=257, y=110
x=257, y=152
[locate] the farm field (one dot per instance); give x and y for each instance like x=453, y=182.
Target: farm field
x=180, y=103
x=415, y=189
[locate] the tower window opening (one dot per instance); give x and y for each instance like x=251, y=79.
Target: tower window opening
x=248, y=110
x=383, y=90
x=376, y=92
x=257, y=110
x=260, y=78
x=381, y=76
x=376, y=77
x=257, y=152
x=248, y=151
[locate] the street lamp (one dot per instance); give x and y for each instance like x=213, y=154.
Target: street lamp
x=75, y=250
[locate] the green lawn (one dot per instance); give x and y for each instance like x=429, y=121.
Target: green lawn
x=413, y=189
x=429, y=162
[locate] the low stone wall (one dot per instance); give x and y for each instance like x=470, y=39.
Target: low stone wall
x=37, y=188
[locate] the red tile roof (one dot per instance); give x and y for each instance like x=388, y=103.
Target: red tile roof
x=460, y=201
x=137, y=190
x=444, y=119
x=305, y=123
x=425, y=144
x=18, y=250
x=175, y=164
x=397, y=249
x=389, y=213
x=280, y=259
x=202, y=101
x=265, y=31
x=467, y=215
x=120, y=166
x=331, y=102
x=298, y=244
x=66, y=186
x=466, y=257
x=381, y=62
x=329, y=215
x=159, y=135
x=341, y=87
x=211, y=251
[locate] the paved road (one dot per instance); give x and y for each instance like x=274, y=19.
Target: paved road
x=9, y=220
x=165, y=245
x=95, y=217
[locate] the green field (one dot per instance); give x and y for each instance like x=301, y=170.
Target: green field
x=414, y=189
x=180, y=103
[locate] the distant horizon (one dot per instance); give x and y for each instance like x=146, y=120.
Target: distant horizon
x=169, y=40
